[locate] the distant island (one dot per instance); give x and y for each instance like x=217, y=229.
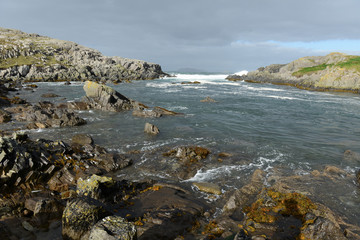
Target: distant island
x=333, y=72
x=33, y=57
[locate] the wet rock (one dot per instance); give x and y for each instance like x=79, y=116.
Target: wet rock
x=4, y=116
x=194, y=82
x=82, y=106
x=82, y=139
x=208, y=187
x=96, y=187
x=49, y=95
x=166, y=112
x=47, y=114
x=358, y=176
x=351, y=156
x=79, y=216
x=113, y=162
x=105, y=98
x=113, y=228
x=169, y=213
x=241, y=196
x=151, y=129
x=146, y=113
x=48, y=206
x=208, y=99
x=61, y=180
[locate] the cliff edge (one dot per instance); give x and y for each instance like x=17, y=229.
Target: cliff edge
x=33, y=57
x=333, y=72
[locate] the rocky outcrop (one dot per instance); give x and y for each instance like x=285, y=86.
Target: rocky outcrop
x=46, y=114
x=38, y=58
x=151, y=129
x=333, y=72
x=100, y=96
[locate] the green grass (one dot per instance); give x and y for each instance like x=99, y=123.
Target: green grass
x=311, y=70
x=353, y=62
x=27, y=60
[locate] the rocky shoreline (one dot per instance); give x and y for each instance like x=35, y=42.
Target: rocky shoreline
x=32, y=57
x=334, y=72
x=74, y=190
x=60, y=190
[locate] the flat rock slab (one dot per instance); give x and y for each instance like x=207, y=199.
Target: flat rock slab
x=208, y=187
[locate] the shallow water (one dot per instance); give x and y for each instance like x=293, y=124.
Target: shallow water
x=264, y=126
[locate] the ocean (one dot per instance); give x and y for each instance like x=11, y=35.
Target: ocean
x=282, y=130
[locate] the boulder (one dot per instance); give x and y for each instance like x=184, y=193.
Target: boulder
x=47, y=206
x=82, y=139
x=61, y=180
x=113, y=228
x=105, y=98
x=79, y=216
x=96, y=187
x=113, y=162
x=151, y=129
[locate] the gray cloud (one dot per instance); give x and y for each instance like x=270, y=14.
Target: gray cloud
x=217, y=35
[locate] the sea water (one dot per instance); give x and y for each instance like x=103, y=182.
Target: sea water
x=263, y=126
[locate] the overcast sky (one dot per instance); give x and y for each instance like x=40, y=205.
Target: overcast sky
x=210, y=35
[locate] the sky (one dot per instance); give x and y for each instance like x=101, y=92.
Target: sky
x=209, y=35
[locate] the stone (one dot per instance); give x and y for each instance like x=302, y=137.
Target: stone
x=95, y=187
x=79, y=215
x=61, y=180
x=208, y=99
x=40, y=205
x=113, y=162
x=49, y=95
x=146, y=113
x=208, y=187
x=151, y=129
x=113, y=228
x=82, y=139
x=105, y=98
x=358, y=176
x=4, y=116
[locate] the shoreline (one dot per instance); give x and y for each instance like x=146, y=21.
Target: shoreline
x=200, y=214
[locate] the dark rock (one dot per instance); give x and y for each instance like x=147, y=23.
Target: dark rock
x=49, y=95
x=113, y=228
x=45, y=114
x=48, y=206
x=358, y=176
x=234, y=78
x=189, y=160
x=79, y=216
x=151, y=129
x=113, y=162
x=169, y=212
x=61, y=180
x=164, y=111
x=4, y=116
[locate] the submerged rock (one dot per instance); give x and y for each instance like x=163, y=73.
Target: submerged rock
x=208, y=187
x=208, y=99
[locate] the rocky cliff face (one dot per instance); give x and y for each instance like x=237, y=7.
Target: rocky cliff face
x=38, y=58
x=333, y=72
